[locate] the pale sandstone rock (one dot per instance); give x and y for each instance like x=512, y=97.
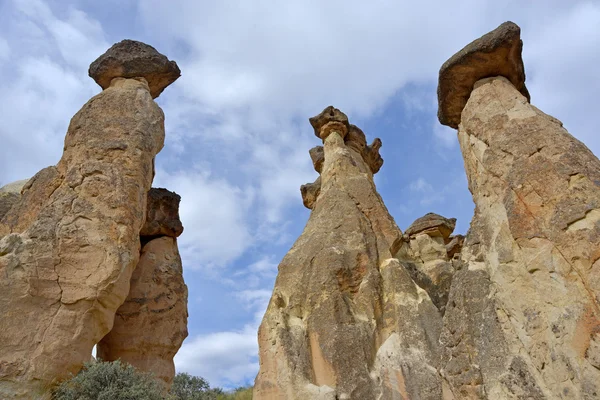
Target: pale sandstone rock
x=522, y=318
x=425, y=255
x=10, y=195
x=151, y=325
x=66, y=267
x=133, y=59
x=345, y=320
x=317, y=156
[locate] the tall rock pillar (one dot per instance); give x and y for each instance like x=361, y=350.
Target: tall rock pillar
x=522, y=319
x=69, y=247
x=151, y=325
x=346, y=321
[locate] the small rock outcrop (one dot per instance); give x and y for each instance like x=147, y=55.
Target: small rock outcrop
x=151, y=325
x=69, y=245
x=522, y=320
x=346, y=321
x=10, y=195
x=428, y=253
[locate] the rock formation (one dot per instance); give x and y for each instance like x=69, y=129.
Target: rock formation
x=151, y=325
x=69, y=245
x=428, y=252
x=522, y=320
x=346, y=321
x=511, y=311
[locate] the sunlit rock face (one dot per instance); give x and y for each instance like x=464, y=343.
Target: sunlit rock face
x=346, y=321
x=151, y=325
x=511, y=311
x=522, y=318
x=70, y=239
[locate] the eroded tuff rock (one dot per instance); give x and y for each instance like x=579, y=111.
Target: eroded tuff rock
x=10, y=195
x=162, y=214
x=522, y=318
x=133, y=59
x=427, y=253
x=497, y=53
x=346, y=321
x=151, y=324
x=67, y=255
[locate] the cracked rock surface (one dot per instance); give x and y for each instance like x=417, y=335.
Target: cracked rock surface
x=346, y=321
x=523, y=318
x=67, y=255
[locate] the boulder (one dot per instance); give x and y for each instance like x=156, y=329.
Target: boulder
x=133, y=59
x=497, y=53
x=162, y=215
x=433, y=225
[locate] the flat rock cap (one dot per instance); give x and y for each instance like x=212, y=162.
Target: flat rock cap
x=497, y=53
x=133, y=59
x=329, y=114
x=433, y=225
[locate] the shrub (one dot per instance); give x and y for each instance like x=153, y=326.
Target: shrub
x=109, y=381
x=187, y=387
x=241, y=393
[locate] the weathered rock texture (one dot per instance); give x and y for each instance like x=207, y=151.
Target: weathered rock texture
x=68, y=247
x=151, y=325
x=522, y=320
x=346, y=321
x=498, y=53
x=10, y=195
x=132, y=59
x=427, y=253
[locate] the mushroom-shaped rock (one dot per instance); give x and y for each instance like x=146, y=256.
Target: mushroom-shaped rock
x=433, y=225
x=133, y=59
x=329, y=120
x=317, y=155
x=162, y=214
x=497, y=53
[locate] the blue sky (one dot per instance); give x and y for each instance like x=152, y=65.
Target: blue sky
x=238, y=136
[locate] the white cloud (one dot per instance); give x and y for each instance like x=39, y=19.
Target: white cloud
x=227, y=359
x=214, y=216
x=420, y=185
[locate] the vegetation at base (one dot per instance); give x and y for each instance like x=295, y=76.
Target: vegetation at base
x=109, y=381
x=114, y=380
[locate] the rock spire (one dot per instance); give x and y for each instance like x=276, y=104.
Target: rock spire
x=69, y=245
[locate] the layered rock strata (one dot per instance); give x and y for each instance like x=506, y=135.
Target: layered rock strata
x=69, y=246
x=346, y=321
x=522, y=320
x=151, y=325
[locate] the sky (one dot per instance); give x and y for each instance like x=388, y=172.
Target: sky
x=237, y=131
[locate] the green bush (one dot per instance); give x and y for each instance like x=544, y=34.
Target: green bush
x=241, y=393
x=187, y=387
x=109, y=381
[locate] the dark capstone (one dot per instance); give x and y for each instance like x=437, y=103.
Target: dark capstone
x=162, y=214
x=133, y=59
x=497, y=53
